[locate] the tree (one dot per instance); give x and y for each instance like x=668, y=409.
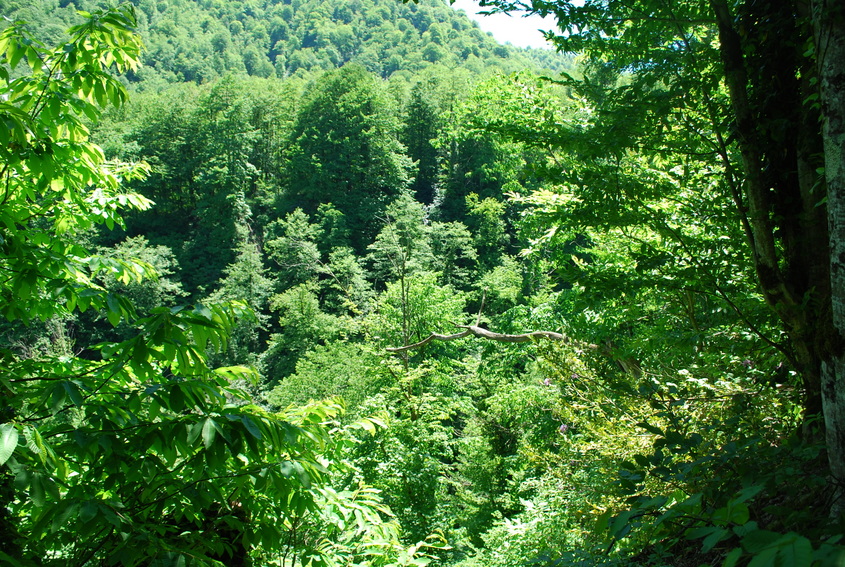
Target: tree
x=140, y=452
x=147, y=295
x=344, y=151
x=412, y=308
x=304, y=326
x=453, y=252
x=420, y=130
x=213, y=152
x=290, y=243
x=736, y=87
x=245, y=280
x=476, y=162
x=486, y=220
x=829, y=42
x=402, y=245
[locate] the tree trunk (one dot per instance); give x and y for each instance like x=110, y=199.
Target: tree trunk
x=829, y=41
x=768, y=84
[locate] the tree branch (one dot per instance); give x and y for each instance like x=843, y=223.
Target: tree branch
x=477, y=331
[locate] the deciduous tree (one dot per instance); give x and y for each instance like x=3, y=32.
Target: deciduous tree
x=140, y=452
x=741, y=89
x=344, y=151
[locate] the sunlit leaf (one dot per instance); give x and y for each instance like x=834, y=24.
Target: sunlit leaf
x=8, y=441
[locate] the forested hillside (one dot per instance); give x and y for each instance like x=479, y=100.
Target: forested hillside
x=347, y=283
x=200, y=41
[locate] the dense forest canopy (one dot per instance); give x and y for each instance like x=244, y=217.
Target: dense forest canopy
x=191, y=41
x=347, y=283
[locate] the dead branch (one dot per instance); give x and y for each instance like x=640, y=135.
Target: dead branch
x=628, y=365
x=477, y=331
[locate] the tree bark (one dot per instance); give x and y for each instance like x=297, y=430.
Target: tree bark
x=829, y=41
x=629, y=365
x=768, y=80
x=481, y=332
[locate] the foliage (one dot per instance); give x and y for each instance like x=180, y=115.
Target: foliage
x=411, y=310
x=245, y=280
x=140, y=452
x=422, y=125
x=349, y=525
x=315, y=219
x=659, y=239
x=502, y=286
x=409, y=460
x=48, y=165
x=337, y=369
x=213, y=155
x=344, y=150
x=355, y=530
x=486, y=219
x=453, y=252
x=150, y=293
x=200, y=42
x=402, y=246
x=304, y=325
x=291, y=245
x=348, y=290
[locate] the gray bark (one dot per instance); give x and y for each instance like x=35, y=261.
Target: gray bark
x=829, y=39
x=477, y=331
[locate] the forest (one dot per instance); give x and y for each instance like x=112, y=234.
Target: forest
x=346, y=283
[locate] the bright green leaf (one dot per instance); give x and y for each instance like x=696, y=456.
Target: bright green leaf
x=209, y=430
x=8, y=441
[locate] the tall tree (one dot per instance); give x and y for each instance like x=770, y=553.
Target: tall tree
x=828, y=20
x=344, y=150
x=140, y=452
x=422, y=127
x=748, y=83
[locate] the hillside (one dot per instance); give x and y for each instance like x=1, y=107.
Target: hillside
x=201, y=40
x=322, y=284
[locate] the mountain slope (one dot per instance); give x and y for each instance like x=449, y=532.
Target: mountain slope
x=201, y=40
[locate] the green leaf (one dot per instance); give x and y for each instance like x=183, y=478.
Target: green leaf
x=73, y=392
x=209, y=430
x=795, y=551
x=35, y=443
x=651, y=428
x=57, y=399
x=759, y=540
x=15, y=53
x=712, y=535
x=286, y=468
x=303, y=475
x=61, y=519
x=250, y=426
x=765, y=558
x=732, y=557
x=11, y=561
x=745, y=529
x=8, y=441
x=714, y=538
x=739, y=514
x=34, y=60
x=194, y=432
x=154, y=410
x=368, y=426
x=36, y=490
x=748, y=493
x=88, y=512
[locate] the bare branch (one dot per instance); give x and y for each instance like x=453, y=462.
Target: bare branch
x=428, y=339
x=477, y=331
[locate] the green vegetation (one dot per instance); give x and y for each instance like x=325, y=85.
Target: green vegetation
x=201, y=41
x=349, y=284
